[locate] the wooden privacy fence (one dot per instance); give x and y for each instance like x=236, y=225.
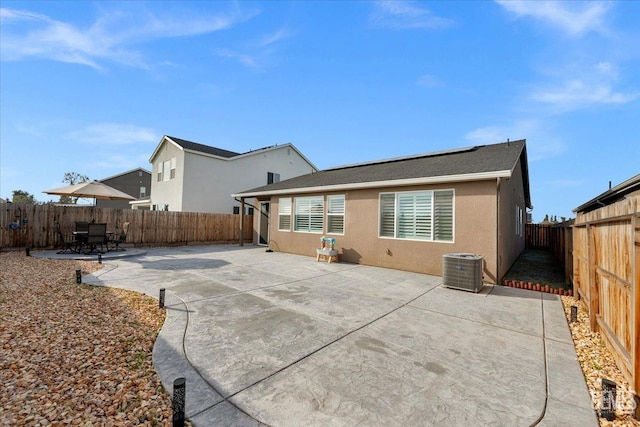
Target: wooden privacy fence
x=37, y=225
x=536, y=236
x=556, y=238
x=606, y=274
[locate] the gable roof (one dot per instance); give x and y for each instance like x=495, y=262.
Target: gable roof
x=124, y=173
x=462, y=164
x=611, y=196
x=221, y=153
x=194, y=146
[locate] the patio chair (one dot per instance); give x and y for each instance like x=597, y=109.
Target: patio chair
x=96, y=235
x=118, y=239
x=68, y=246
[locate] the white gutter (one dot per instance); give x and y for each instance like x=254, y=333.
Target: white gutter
x=389, y=183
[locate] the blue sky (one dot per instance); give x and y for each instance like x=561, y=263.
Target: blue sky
x=91, y=87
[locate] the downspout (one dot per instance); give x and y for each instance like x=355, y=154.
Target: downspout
x=498, y=230
x=242, y=221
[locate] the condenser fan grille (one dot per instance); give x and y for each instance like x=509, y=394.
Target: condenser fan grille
x=462, y=271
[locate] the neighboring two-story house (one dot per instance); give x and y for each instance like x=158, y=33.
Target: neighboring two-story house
x=192, y=177
x=136, y=183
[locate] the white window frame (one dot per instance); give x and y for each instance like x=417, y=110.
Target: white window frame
x=306, y=207
x=334, y=211
x=284, y=210
x=432, y=215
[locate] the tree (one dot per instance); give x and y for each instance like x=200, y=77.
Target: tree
x=72, y=178
x=20, y=196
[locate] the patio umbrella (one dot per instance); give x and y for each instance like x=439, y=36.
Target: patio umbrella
x=91, y=189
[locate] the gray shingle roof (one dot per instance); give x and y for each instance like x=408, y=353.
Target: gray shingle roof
x=472, y=160
x=194, y=146
x=611, y=196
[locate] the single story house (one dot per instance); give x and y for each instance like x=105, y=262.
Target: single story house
x=193, y=177
x=405, y=213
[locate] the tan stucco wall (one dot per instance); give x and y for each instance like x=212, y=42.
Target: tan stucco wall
x=511, y=244
x=474, y=231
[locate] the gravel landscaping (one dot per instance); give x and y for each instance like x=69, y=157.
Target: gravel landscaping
x=75, y=354
x=597, y=363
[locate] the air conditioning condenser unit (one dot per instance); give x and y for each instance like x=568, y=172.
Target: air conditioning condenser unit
x=462, y=271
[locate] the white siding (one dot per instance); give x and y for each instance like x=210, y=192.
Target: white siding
x=209, y=182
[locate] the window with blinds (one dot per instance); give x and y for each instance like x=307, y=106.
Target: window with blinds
x=417, y=215
x=284, y=214
x=335, y=214
x=309, y=214
x=443, y=216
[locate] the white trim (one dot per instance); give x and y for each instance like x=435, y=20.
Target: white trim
x=433, y=205
x=344, y=213
x=380, y=184
x=280, y=199
x=296, y=201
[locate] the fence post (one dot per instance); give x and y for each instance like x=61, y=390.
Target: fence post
x=594, y=289
x=179, y=393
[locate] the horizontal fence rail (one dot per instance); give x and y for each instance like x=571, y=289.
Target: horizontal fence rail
x=35, y=225
x=606, y=269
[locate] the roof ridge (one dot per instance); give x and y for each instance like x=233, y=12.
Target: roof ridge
x=403, y=158
x=420, y=155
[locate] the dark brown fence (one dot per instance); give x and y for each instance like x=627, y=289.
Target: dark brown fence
x=537, y=236
x=34, y=225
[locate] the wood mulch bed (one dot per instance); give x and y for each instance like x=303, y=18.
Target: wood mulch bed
x=75, y=354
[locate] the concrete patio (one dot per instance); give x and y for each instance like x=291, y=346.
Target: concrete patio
x=283, y=340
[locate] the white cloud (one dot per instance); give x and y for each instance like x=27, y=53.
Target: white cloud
x=542, y=142
x=398, y=15
x=275, y=37
x=260, y=51
x=573, y=18
x=575, y=94
x=109, y=38
x=114, y=134
x=589, y=86
x=244, y=59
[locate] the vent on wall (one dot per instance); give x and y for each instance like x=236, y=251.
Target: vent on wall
x=462, y=271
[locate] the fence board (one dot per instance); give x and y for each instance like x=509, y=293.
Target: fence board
x=556, y=238
x=146, y=227
x=606, y=254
